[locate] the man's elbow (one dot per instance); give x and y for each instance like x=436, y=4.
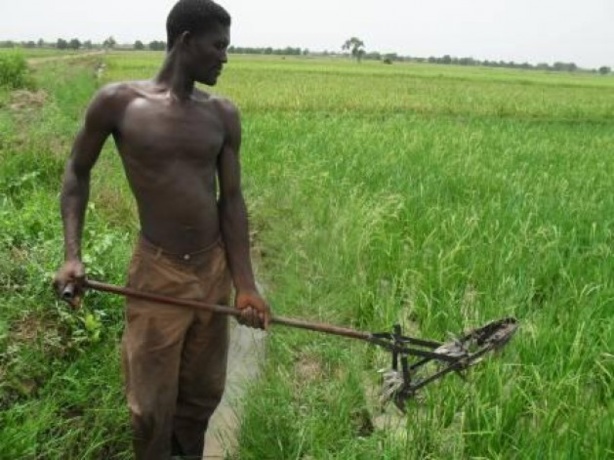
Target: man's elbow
x=75, y=179
x=77, y=170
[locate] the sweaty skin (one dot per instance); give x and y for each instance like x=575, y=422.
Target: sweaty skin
x=174, y=141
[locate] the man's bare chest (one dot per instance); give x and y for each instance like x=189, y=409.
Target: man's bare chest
x=158, y=132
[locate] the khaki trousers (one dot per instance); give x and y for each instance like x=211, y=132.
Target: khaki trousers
x=174, y=358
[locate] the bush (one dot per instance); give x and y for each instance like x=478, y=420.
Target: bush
x=14, y=71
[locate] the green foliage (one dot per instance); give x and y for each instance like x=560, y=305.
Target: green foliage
x=14, y=71
x=356, y=47
x=157, y=45
x=268, y=51
x=74, y=44
x=436, y=197
x=439, y=202
x=109, y=43
x=51, y=405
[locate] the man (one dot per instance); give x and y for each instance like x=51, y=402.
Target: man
x=174, y=142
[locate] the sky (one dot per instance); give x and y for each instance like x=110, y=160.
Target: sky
x=580, y=31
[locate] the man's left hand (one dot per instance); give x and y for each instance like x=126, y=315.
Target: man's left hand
x=255, y=312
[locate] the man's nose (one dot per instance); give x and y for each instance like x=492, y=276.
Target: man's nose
x=224, y=56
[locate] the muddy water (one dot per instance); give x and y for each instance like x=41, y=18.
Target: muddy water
x=245, y=357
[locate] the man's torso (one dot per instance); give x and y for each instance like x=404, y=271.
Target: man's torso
x=170, y=150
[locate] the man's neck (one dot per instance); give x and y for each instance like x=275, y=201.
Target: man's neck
x=174, y=76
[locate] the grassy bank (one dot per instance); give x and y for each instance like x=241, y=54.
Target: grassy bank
x=439, y=198
x=60, y=394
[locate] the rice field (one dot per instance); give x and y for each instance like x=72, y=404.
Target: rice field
x=436, y=197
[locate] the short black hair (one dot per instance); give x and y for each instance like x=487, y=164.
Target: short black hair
x=193, y=16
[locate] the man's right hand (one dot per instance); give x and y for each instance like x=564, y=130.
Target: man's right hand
x=68, y=282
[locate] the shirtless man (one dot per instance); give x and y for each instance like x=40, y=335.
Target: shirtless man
x=174, y=141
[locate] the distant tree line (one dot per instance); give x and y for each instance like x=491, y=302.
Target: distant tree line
x=287, y=51
x=354, y=47
x=469, y=61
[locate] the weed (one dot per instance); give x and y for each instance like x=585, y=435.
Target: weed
x=14, y=71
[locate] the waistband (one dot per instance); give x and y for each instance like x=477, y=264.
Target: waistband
x=157, y=251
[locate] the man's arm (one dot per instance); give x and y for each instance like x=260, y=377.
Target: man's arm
x=99, y=123
x=234, y=224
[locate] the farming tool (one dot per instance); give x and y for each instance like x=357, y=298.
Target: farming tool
x=409, y=354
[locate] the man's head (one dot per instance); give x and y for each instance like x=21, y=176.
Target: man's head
x=195, y=17
x=200, y=31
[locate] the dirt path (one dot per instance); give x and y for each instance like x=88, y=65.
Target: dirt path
x=36, y=61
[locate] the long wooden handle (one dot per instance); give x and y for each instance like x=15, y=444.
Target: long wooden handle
x=290, y=322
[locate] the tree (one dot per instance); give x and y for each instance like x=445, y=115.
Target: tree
x=391, y=57
x=87, y=44
x=109, y=43
x=565, y=66
x=61, y=44
x=157, y=45
x=466, y=61
x=74, y=44
x=356, y=47
x=138, y=45
x=604, y=70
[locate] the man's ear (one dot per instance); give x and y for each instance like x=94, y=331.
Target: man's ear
x=184, y=38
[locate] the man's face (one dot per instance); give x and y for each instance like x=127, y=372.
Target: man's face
x=207, y=54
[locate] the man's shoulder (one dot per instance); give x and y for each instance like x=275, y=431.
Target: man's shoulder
x=110, y=101
x=228, y=111
x=224, y=105
x=123, y=91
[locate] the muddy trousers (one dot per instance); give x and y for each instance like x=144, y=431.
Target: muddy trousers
x=174, y=358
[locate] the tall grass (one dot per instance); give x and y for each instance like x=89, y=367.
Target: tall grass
x=442, y=225
x=14, y=71
x=54, y=362
x=438, y=198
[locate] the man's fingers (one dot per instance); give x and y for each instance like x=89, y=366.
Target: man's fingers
x=247, y=317
x=254, y=318
x=264, y=320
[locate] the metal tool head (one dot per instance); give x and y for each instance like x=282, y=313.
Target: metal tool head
x=401, y=382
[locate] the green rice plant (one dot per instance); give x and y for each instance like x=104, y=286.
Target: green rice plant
x=434, y=197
